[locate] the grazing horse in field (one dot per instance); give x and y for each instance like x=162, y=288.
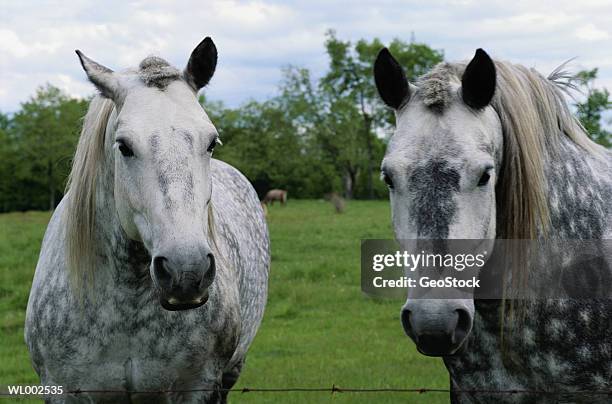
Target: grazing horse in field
x=336, y=200
x=275, y=195
x=153, y=271
x=490, y=150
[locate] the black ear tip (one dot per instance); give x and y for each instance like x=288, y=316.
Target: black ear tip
x=207, y=46
x=384, y=59
x=207, y=43
x=481, y=54
x=383, y=53
x=80, y=55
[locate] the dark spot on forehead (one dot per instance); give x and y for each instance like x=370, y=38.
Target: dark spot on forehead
x=156, y=72
x=154, y=142
x=185, y=135
x=433, y=207
x=188, y=188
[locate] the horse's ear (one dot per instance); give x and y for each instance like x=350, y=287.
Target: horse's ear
x=478, y=81
x=105, y=80
x=202, y=64
x=390, y=79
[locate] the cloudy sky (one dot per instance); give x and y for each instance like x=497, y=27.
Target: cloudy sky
x=256, y=39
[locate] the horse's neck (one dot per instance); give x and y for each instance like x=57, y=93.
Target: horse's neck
x=579, y=191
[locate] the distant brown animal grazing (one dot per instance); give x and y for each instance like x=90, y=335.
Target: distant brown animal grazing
x=275, y=195
x=336, y=200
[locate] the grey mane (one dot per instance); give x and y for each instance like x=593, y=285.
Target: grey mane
x=154, y=71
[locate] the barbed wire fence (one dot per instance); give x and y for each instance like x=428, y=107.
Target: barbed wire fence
x=333, y=389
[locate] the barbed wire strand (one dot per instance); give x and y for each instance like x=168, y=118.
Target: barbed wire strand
x=333, y=389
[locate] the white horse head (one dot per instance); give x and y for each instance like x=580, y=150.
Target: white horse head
x=159, y=142
x=442, y=163
x=441, y=167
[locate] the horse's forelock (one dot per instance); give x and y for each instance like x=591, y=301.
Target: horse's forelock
x=434, y=88
x=154, y=71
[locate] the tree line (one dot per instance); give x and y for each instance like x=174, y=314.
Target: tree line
x=312, y=138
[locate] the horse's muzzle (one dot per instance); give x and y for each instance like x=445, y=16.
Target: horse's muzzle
x=183, y=287
x=439, y=328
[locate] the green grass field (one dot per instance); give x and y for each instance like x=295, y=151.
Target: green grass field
x=318, y=330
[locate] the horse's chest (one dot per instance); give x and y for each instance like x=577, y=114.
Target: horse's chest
x=140, y=346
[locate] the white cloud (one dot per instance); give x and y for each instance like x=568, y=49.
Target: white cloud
x=11, y=45
x=257, y=14
x=590, y=32
x=256, y=38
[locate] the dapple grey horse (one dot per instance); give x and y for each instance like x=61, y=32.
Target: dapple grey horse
x=154, y=268
x=490, y=150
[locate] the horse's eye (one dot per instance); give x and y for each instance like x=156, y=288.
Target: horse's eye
x=387, y=179
x=484, y=178
x=212, y=145
x=125, y=149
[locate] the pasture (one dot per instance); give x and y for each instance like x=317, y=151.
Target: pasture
x=318, y=330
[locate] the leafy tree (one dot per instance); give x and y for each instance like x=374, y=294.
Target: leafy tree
x=590, y=111
x=8, y=161
x=309, y=110
x=314, y=138
x=44, y=134
x=349, y=85
x=262, y=140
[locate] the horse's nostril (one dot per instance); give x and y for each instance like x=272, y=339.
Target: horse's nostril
x=209, y=274
x=162, y=272
x=464, y=324
x=408, y=329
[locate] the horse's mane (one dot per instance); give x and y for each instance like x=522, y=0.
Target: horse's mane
x=534, y=117
x=80, y=209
